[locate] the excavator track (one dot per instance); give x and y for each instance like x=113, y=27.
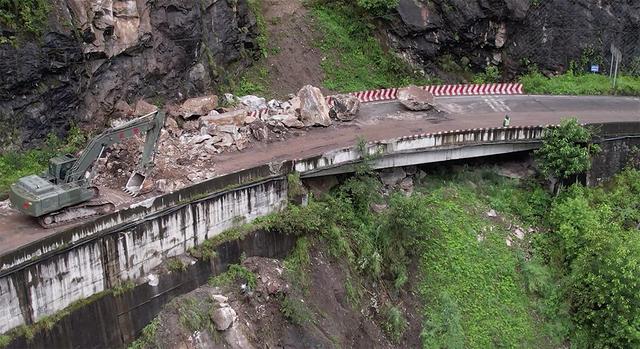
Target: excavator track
x=94, y=207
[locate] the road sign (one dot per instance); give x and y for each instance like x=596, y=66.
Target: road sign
x=595, y=68
x=616, y=57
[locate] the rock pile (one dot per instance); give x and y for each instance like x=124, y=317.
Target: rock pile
x=199, y=128
x=416, y=98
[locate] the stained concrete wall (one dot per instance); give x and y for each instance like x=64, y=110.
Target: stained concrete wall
x=44, y=277
x=51, y=283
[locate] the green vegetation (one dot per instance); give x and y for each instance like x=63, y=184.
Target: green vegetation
x=573, y=280
x=572, y=83
x=566, y=150
x=147, y=339
x=395, y=324
x=263, y=41
x=491, y=74
x=24, y=16
x=255, y=81
x=596, y=247
x=294, y=310
x=236, y=273
x=14, y=164
x=355, y=59
x=176, y=265
x=193, y=314
x=123, y=287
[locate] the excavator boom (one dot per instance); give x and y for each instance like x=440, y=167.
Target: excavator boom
x=54, y=196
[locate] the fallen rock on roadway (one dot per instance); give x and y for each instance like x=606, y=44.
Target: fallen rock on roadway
x=253, y=103
x=198, y=106
x=314, y=109
x=345, y=107
x=416, y=98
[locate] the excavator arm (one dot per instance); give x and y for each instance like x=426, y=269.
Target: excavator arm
x=150, y=124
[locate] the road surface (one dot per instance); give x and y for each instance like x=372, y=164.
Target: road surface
x=379, y=121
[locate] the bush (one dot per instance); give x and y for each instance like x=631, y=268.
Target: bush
x=602, y=263
x=28, y=16
x=566, y=150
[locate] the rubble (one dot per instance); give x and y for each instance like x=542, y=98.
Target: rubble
x=314, y=109
x=144, y=108
x=345, y=107
x=253, y=103
x=122, y=109
x=198, y=106
x=416, y=98
x=236, y=117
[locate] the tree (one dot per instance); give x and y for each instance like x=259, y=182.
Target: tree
x=566, y=150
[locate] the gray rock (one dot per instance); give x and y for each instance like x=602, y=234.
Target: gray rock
x=293, y=123
x=253, y=103
x=314, y=109
x=231, y=129
x=223, y=318
x=220, y=298
x=144, y=108
x=416, y=98
x=198, y=106
x=235, y=117
x=345, y=107
x=391, y=177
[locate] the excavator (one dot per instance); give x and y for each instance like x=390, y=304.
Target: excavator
x=64, y=193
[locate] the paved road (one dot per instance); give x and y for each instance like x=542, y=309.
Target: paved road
x=384, y=120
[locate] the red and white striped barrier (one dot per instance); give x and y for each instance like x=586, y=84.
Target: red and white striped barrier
x=388, y=94
x=258, y=114
x=475, y=89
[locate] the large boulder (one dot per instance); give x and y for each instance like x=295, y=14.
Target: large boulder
x=314, y=109
x=236, y=117
x=253, y=103
x=143, y=108
x=198, y=106
x=223, y=318
x=416, y=98
x=345, y=107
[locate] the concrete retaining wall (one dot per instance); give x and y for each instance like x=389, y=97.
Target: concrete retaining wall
x=46, y=276
x=51, y=282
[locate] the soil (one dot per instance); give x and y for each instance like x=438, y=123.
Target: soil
x=331, y=321
x=296, y=62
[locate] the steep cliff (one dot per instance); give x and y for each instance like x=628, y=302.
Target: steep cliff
x=513, y=34
x=92, y=55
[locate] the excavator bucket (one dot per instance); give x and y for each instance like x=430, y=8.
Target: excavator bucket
x=135, y=183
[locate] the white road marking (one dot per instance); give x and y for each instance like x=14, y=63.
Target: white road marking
x=496, y=105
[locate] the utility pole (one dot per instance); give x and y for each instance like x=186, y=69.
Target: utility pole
x=616, y=57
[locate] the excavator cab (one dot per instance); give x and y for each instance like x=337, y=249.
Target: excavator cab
x=60, y=166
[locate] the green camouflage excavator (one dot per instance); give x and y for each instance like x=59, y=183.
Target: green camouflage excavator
x=64, y=193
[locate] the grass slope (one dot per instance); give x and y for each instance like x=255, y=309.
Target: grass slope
x=355, y=59
x=472, y=283
x=582, y=84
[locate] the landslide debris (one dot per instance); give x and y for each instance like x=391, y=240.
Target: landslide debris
x=267, y=309
x=202, y=127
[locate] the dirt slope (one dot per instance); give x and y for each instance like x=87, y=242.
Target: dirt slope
x=278, y=315
x=293, y=61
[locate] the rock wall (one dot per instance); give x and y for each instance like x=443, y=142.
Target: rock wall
x=96, y=54
x=514, y=33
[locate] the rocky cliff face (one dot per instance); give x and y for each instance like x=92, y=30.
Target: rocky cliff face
x=515, y=33
x=96, y=55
